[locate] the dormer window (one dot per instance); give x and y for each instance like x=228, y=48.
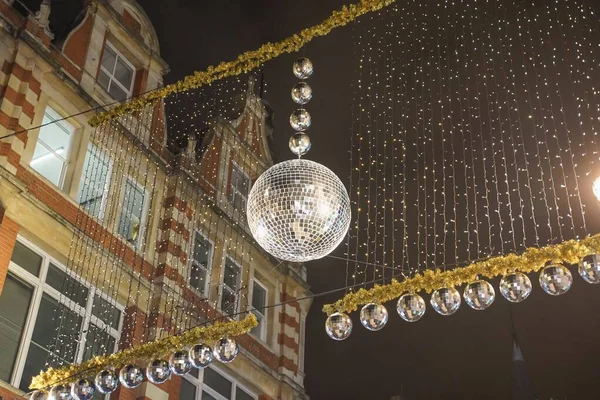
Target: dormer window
x=116, y=74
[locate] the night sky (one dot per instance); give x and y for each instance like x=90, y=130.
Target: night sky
x=466, y=356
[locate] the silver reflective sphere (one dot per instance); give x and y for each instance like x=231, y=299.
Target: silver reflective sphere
x=201, y=355
x=60, y=392
x=226, y=350
x=38, y=395
x=180, y=363
x=83, y=389
x=298, y=210
x=302, y=68
x=411, y=307
x=301, y=93
x=589, y=268
x=106, y=381
x=479, y=295
x=299, y=143
x=300, y=120
x=373, y=316
x=515, y=287
x=158, y=371
x=131, y=376
x=445, y=301
x=338, y=326
x=555, y=280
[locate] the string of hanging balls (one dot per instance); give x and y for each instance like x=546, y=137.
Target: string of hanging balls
x=554, y=278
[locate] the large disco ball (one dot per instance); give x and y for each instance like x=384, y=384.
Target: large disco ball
x=298, y=210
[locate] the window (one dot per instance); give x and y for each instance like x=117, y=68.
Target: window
x=133, y=213
x=208, y=384
x=95, y=180
x=36, y=293
x=52, y=148
x=116, y=74
x=239, y=188
x=259, y=302
x=232, y=274
x=201, y=265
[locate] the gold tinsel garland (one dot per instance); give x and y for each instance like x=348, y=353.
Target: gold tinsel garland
x=144, y=353
x=532, y=260
x=247, y=61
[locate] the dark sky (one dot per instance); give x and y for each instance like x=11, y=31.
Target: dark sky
x=466, y=356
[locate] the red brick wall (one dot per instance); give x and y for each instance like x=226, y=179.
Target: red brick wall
x=8, y=237
x=76, y=45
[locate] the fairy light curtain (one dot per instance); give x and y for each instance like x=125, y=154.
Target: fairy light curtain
x=161, y=242
x=474, y=133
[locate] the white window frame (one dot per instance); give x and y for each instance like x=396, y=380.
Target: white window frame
x=209, y=268
x=104, y=201
x=111, y=75
x=230, y=290
x=145, y=210
x=53, y=114
x=261, y=315
x=39, y=285
x=201, y=387
x=233, y=191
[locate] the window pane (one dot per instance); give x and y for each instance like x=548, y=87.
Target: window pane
x=241, y=395
x=131, y=213
x=187, y=391
x=117, y=93
x=200, y=262
x=202, y=249
x=98, y=343
x=108, y=59
x=217, y=382
x=257, y=330
x=14, y=304
x=52, y=147
x=228, y=302
x=104, y=80
x=124, y=74
x=195, y=372
x=206, y=396
x=25, y=258
x=51, y=315
x=197, y=277
x=259, y=297
x=47, y=164
x=67, y=285
x=231, y=272
x=93, y=187
x=106, y=312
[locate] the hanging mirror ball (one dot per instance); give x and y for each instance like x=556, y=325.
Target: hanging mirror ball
x=515, y=287
x=60, y=392
x=83, y=389
x=445, y=301
x=180, y=362
x=226, y=350
x=200, y=355
x=373, y=316
x=131, y=376
x=411, y=307
x=158, y=371
x=555, y=279
x=302, y=68
x=106, y=381
x=589, y=268
x=38, y=395
x=301, y=93
x=300, y=120
x=338, y=326
x=479, y=295
x=299, y=143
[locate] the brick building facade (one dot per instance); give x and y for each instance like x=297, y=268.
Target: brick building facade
x=112, y=53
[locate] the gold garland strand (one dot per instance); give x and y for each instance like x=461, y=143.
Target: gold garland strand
x=532, y=260
x=247, y=61
x=146, y=352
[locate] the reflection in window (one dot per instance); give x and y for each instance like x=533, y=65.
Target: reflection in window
x=231, y=282
x=116, y=74
x=52, y=147
x=93, y=189
x=239, y=188
x=132, y=213
x=201, y=263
